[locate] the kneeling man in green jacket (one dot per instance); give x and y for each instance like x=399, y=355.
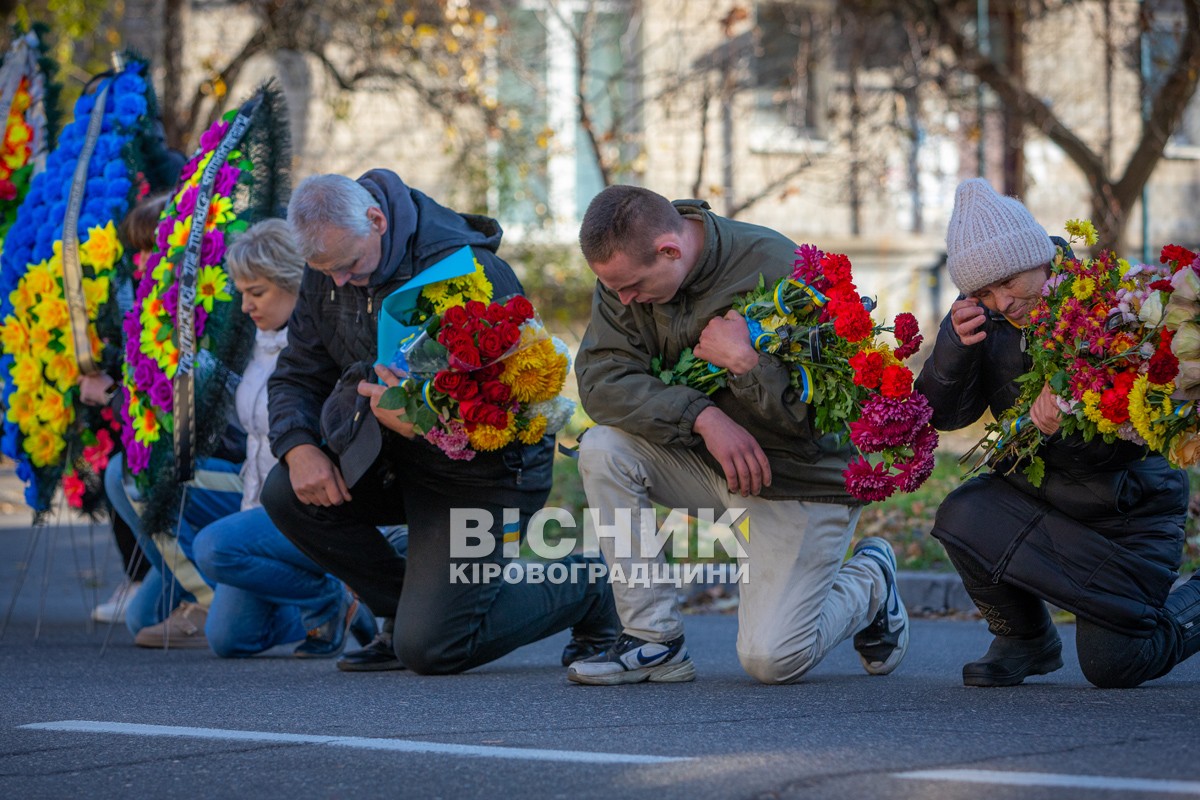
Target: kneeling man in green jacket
x=668, y=274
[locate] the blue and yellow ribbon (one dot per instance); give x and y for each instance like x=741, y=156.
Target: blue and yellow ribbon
x=806, y=384
x=815, y=297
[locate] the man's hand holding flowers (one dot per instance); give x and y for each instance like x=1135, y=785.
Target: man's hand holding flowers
x=394, y=420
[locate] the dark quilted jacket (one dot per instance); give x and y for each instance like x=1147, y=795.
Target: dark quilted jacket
x=333, y=331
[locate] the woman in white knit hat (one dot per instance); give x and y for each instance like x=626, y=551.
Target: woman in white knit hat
x=1103, y=534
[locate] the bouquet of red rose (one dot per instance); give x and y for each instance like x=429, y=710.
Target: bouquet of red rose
x=856, y=385
x=481, y=374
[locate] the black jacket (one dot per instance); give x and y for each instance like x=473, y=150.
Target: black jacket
x=1102, y=536
x=332, y=339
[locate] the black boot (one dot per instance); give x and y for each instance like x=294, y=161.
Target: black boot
x=597, y=631
x=377, y=656
x=1010, y=660
x=1183, y=607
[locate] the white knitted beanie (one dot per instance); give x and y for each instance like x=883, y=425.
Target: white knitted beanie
x=991, y=237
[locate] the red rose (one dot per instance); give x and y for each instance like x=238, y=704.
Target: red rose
x=520, y=309
x=495, y=416
x=472, y=411
x=496, y=313
x=495, y=392
x=868, y=369
x=467, y=390
x=897, y=381
x=476, y=309
x=466, y=357
x=453, y=339
x=448, y=382
x=906, y=327
x=509, y=333
x=455, y=315
x=491, y=345
x=490, y=372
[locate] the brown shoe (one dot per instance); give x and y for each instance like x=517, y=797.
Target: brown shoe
x=184, y=629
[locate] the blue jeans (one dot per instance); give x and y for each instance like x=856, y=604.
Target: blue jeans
x=268, y=592
x=161, y=591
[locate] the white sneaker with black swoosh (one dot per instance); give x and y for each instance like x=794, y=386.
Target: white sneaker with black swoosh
x=633, y=660
x=882, y=644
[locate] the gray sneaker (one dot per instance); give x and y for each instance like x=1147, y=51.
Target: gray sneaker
x=882, y=644
x=633, y=660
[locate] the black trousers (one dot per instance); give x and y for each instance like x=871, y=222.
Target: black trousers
x=1109, y=659
x=443, y=625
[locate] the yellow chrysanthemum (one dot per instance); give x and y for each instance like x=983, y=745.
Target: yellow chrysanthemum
x=1082, y=229
x=39, y=342
x=457, y=291
x=22, y=296
x=536, y=373
x=1083, y=287
x=27, y=374
x=43, y=447
x=17, y=134
x=534, y=431
x=40, y=281
x=95, y=294
x=102, y=248
x=52, y=313
x=62, y=370
x=14, y=336
x=211, y=286
x=1144, y=415
x=485, y=438
x=22, y=410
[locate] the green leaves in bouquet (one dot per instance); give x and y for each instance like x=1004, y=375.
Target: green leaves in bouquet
x=690, y=371
x=407, y=397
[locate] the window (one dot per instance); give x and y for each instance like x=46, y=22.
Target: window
x=790, y=72
x=1167, y=25
x=547, y=172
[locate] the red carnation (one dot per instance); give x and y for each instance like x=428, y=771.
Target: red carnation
x=8, y=191
x=910, y=347
x=1164, y=366
x=868, y=369
x=897, y=381
x=836, y=269
x=1114, y=406
x=850, y=320
x=520, y=309
x=1173, y=252
x=906, y=327
x=1162, y=285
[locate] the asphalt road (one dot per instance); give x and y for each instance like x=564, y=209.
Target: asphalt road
x=187, y=724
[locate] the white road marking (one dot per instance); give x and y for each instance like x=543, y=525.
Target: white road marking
x=1099, y=782
x=365, y=743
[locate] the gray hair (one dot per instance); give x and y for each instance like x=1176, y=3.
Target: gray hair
x=322, y=202
x=267, y=251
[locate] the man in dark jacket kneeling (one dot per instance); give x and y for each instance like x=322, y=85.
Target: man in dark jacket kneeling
x=1101, y=537
x=346, y=466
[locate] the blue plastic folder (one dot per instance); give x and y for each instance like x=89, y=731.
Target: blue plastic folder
x=394, y=335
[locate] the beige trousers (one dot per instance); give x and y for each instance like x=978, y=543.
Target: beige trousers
x=798, y=600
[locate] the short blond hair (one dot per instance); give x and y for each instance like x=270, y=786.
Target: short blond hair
x=267, y=251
